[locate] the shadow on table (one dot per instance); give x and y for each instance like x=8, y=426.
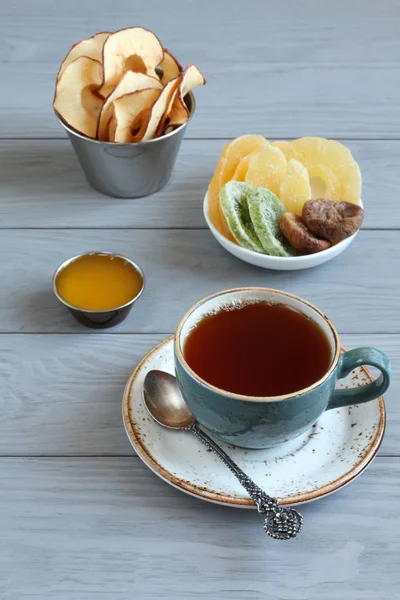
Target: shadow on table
x=47, y=174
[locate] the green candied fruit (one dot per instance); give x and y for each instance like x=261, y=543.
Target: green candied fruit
x=233, y=201
x=266, y=211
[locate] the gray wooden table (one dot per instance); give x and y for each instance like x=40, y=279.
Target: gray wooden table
x=80, y=516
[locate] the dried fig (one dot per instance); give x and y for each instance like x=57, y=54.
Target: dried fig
x=331, y=219
x=299, y=236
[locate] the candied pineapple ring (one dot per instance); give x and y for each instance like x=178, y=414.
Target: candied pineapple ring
x=281, y=144
x=296, y=172
x=215, y=212
x=241, y=169
x=323, y=182
x=238, y=149
x=295, y=187
x=331, y=162
x=267, y=169
x=349, y=191
x=228, y=162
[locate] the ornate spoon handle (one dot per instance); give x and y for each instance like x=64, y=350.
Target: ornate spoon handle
x=280, y=523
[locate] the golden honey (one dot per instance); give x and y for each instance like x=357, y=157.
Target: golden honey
x=99, y=282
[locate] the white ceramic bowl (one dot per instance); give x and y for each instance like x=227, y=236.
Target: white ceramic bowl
x=277, y=263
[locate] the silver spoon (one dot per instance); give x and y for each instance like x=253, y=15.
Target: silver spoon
x=166, y=405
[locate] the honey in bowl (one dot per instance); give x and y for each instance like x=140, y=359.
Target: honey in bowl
x=99, y=282
x=258, y=349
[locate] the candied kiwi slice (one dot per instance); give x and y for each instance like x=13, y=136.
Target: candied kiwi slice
x=266, y=211
x=233, y=201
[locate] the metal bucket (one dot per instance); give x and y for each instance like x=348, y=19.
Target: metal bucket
x=129, y=170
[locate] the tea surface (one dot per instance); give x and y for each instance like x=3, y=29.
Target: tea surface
x=258, y=349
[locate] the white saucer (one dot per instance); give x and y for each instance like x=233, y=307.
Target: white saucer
x=336, y=449
x=277, y=263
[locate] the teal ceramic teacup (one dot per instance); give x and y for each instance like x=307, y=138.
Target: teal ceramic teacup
x=258, y=422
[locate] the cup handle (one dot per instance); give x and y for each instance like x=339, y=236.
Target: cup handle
x=358, y=395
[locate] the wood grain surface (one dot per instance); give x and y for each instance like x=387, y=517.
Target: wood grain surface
x=62, y=394
x=358, y=291
x=108, y=527
x=43, y=186
x=80, y=516
x=298, y=69
x=271, y=99
x=313, y=32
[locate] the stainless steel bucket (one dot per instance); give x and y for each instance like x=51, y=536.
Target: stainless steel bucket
x=129, y=170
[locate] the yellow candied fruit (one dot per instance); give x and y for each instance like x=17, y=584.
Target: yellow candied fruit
x=295, y=188
x=333, y=172
x=228, y=162
x=267, y=169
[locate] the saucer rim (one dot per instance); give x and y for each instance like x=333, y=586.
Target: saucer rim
x=202, y=493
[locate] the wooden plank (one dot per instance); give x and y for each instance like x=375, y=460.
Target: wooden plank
x=358, y=290
x=109, y=528
x=275, y=100
x=319, y=55
x=281, y=70
x=62, y=394
x=43, y=186
x=291, y=32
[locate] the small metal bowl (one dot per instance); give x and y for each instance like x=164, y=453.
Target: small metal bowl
x=104, y=318
x=128, y=170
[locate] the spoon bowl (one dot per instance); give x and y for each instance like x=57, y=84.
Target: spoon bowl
x=164, y=401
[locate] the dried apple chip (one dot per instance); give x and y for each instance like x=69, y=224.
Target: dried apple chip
x=76, y=99
x=134, y=49
x=170, y=67
x=161, y=108
x=91, y=48
x=131, y=82
x=111, y=129
x=131, y=115
x=129, y=60
x=191, y=78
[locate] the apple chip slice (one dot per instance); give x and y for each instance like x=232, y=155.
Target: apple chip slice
x=130, y=82
x=131, y=115
x=133, y=49
x=91, y=47
x=191, y=78
x=161, y=109
x=111, y=128
x=170, y=67
x=76, y=99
